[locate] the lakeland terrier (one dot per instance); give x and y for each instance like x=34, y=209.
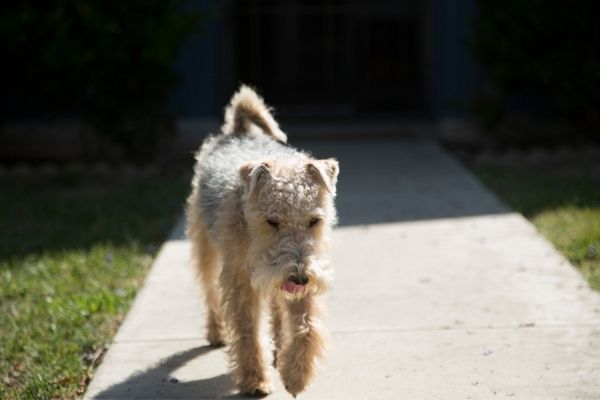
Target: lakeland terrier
x=259, y=218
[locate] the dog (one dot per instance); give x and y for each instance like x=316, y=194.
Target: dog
x=259, y=219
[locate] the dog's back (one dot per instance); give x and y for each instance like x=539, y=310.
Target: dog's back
x=249, y=133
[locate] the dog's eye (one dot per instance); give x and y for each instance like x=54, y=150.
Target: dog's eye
x=273, y=223
x=314, y=222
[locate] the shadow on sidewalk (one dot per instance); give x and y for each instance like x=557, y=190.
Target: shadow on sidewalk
x=399, y=180
x=156, y=382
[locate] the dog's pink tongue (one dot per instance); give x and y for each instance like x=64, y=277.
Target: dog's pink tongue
x=291, y=287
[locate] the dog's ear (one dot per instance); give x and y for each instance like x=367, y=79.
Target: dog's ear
x=326, y=172
x=252, y=174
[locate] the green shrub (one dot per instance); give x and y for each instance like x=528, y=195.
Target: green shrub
x=109, y=61
x=547, y=47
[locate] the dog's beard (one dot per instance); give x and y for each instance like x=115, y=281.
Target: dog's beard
x=271, y=271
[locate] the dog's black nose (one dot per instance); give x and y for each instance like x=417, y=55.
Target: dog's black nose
x=299, y=279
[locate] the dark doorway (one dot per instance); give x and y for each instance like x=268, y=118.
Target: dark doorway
x=343, y=58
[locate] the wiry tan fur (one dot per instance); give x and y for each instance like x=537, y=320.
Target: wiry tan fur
x=244, y=261
x=247, y=107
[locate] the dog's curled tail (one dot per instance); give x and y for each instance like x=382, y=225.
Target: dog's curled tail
x=246, y=108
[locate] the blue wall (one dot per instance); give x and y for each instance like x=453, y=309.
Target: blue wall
x=199, y=65
x=456, y=77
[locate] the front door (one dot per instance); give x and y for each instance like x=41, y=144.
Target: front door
x=334, y=57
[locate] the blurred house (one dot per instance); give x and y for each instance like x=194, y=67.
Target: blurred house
x=376, y=64
x=329, y=68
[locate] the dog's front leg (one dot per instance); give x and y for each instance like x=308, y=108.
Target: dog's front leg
x=303, y=345
x=242, y=312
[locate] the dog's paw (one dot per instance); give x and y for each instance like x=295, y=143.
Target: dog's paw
x=295, y=376
x=294, y=387
x=215, y=339
x=261, y=390
x=217, y=344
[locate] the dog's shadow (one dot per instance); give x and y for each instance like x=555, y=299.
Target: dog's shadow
x=157, y=383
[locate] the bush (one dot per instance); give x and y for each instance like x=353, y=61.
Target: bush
x=109, y=61
x=546, y=47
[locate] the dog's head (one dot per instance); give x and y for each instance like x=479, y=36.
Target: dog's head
x=289, y=210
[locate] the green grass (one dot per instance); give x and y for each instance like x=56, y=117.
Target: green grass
x=564, y=205
x=72, y=255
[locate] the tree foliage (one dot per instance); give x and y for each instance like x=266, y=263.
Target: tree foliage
x=548, y=47
x=109, y=61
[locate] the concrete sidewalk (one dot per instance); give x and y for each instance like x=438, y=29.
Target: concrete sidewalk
x=441, y=293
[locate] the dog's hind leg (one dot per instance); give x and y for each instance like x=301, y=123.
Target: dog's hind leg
x=208, y=262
